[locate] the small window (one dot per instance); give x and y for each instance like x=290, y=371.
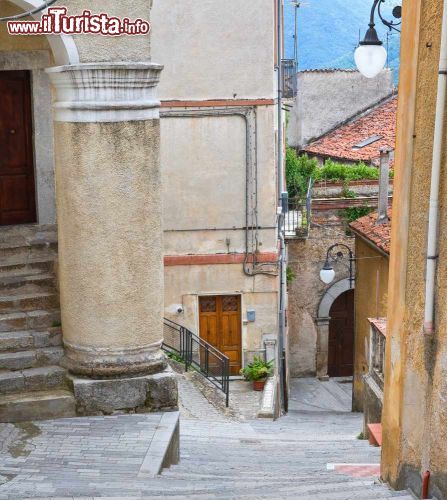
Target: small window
x=367, y=142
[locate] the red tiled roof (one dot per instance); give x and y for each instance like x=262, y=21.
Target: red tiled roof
x=339, y=143
x=379, y=324
x=379, y=235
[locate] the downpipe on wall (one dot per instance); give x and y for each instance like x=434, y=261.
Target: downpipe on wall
x=281, y=188
x=432, y=240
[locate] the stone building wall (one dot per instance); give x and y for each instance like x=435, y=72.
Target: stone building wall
x=307, y=351
x=327, y=98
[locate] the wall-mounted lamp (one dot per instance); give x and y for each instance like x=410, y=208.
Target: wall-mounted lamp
x=370, y=57
x=327, y=274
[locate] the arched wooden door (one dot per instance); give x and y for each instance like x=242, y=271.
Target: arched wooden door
x=341, y=336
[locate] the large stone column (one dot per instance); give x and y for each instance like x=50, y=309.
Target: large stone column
x=108, y=189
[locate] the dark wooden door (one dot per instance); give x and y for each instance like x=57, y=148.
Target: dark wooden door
x=220, y=325
x=17, y=191
x=341, y=336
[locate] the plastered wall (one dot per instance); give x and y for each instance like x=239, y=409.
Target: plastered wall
x=214, y=49
x=184, y=284
x=415, y=413
x=371, y=300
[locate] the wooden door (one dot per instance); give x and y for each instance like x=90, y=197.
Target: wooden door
x=17, y=191
x=220, y=325
x=341, y=336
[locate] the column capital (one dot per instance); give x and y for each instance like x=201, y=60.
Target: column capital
x=106, y=92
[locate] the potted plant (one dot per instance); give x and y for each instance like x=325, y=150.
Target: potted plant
x=258, y=371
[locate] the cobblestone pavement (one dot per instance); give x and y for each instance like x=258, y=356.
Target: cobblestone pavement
x=192, y=403
x=307, y=454
x=200, y=399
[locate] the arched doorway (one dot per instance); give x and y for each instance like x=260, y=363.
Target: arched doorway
x=341, y=336
x=323, y=320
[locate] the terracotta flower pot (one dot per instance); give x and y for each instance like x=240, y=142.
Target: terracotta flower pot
x=258, y=385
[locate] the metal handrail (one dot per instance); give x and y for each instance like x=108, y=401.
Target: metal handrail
x=198, y=354
x=297, y=220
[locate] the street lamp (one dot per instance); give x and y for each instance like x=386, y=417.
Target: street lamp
x=370, y=56
x=327, y=274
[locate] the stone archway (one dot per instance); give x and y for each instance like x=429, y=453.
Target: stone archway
x=63, y=46
x=322, y=321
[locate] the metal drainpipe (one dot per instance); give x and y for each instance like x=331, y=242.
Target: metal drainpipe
x=432, y=240
x=283, y=263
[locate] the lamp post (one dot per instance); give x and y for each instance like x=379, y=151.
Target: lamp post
x=370, y=57
x=327, y=273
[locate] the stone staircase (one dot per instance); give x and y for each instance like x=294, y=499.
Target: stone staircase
x=32, y=384
x=289, y=458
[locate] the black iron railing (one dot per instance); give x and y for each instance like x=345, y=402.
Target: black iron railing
x=198, y=354
x=297, y=220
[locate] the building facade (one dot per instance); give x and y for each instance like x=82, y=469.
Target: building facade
x=327, y=98
x=117, y=219
x=415, y=412
x=218, y=153
x=372, y=247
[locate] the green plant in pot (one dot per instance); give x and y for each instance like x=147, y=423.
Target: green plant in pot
x=258, y=371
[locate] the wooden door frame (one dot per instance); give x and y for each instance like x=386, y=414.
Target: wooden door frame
x=28, y=115
x=35, y=61
x=225, y=294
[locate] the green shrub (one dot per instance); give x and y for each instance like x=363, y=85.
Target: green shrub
x=334, y=171
x=290, y=275
x=299, y=169
x=258, y=369
x=353, y=213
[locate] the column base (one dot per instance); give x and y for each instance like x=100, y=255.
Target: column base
x=100, y=362
x=157, y=392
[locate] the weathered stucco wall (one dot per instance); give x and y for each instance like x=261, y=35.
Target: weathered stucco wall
x=306, y=258
x=184, y=285
x=327, y=98
x=215, y=51
x=204, y=183
x=415, y=413
x=371, y=299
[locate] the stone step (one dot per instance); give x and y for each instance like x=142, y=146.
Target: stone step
x=31, y=359
x=358, y=489
x=26, y=284
x=40, y=405
x=33, y=266
x=32, y=379
x=10, y=256
x=28, y=302
x=30, y=320
x=30, y=339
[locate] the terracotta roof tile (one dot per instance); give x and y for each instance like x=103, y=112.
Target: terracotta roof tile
x=379, y=235
x=339, y=143
x=379, y=324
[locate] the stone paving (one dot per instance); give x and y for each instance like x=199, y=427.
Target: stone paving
x=307, y=454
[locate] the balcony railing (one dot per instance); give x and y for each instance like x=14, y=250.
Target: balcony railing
x=195, y=353
x=297, y=220
x=289, y=79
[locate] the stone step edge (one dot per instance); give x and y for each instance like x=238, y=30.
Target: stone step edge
x=164, y=449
